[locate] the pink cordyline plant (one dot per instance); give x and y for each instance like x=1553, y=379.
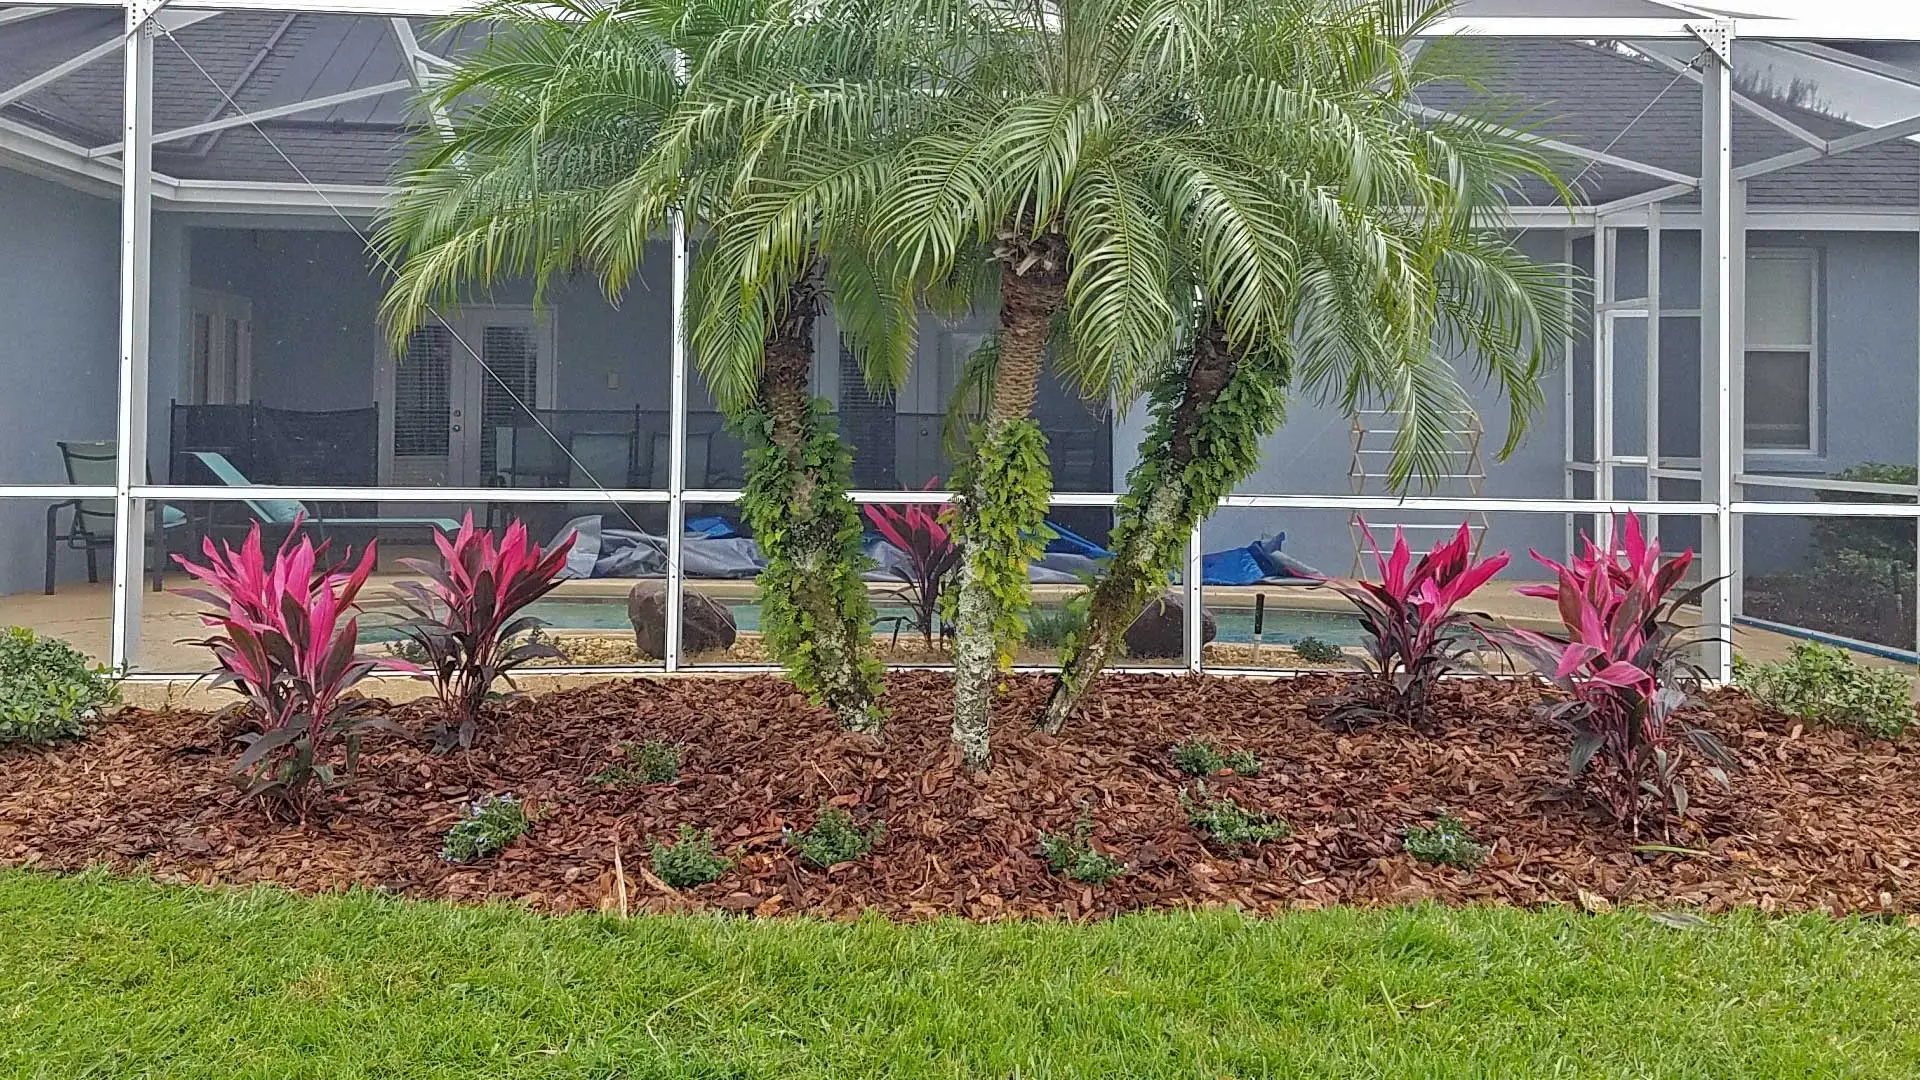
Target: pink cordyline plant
x=464, y=621
x=286, y=639
x=1623, y=663
x=931, y=555
x=1416, y=632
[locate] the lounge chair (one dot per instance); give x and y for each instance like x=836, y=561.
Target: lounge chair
x=284, y=512
x=91, y=527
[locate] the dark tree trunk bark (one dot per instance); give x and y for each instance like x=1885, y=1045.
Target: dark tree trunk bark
x=808, y=533
x=1033, y=289
x=1165, y=515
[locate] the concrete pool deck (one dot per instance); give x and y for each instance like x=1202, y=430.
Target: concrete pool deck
x=169, y=623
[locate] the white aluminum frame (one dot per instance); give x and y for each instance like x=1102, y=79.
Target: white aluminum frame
x=1721, y=219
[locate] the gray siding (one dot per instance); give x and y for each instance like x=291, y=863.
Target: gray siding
x=1870, y=375
x=1869, y=356
x=316, y=296
x=59, y=327
x=316, y=341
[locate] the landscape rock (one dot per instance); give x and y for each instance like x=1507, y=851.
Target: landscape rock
x=706, y=625
x=1159, y=631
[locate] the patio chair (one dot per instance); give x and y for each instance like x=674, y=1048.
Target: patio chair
x=284, y=512
x=91, y=526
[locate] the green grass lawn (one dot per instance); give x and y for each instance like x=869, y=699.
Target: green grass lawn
x=106, y=977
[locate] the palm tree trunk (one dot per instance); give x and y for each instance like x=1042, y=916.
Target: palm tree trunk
x=826, y=594
x=1147, y=543
x=1033, y=288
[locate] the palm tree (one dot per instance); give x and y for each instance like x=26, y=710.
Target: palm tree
x=1392, y=277
x=1105, y=159
x=1051, y=142
x=552, y=161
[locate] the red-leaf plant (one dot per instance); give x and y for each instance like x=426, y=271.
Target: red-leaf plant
x=1623, y=661
x=931, y=555
x=463, y=617
x=1416, y=632
x=286, y=639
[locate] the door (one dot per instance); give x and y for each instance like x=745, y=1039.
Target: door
x=921, y=406
x=219, y=348
x=461, y=392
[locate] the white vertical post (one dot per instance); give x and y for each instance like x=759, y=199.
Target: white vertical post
x=1650, y=425
x=677, y=444
x=1603, y=294
x=1191, y=579
x=1737, y=387
x=1568, y=455
x=1717, y=439
x=130, y=429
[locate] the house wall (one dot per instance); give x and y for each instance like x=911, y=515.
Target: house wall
x=1868, y=321
x=316, y=340
x=59, y=337
x=1868, y=327
x=315, y=297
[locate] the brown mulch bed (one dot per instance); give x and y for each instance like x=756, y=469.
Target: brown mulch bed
x=1817, y=820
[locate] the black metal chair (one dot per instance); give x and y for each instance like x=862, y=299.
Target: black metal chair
x=90, y=527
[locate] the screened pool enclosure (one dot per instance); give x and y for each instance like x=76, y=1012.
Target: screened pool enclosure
x=190, y=328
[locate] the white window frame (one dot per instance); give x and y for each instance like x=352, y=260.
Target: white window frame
x=1810, y=257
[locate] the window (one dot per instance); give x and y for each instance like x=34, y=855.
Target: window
x=220, y=350
x=1782, y=383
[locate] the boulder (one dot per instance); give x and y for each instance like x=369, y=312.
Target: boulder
x=1159, y=631
x=706, y=625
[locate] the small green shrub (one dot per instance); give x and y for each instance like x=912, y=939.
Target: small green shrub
x=834, y=839
x=1445, y=843
x=1881, y=542
x=1243, y=763
x=1822, y=684
x=690, y=860
x=1074, y=855
x=1050, y=628
x=1318, y=651
x=1228, y=823
x=490, y=825
x=655, y=761
x=405, y=648
x=48, y=690
x=1196, y=757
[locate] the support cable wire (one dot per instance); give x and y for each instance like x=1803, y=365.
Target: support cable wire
x=431, y=310
x=1639, y=116
x=1623, y=132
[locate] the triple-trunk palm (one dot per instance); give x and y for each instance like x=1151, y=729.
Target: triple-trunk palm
x=1110, y=161
x=1048, y=141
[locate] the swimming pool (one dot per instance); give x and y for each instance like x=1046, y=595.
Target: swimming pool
x=1282, y=626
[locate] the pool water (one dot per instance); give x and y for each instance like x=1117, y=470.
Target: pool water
x=1287, y=625
x=1282, y=625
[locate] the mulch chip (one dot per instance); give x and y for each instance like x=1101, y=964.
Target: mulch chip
x=1817, y=819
